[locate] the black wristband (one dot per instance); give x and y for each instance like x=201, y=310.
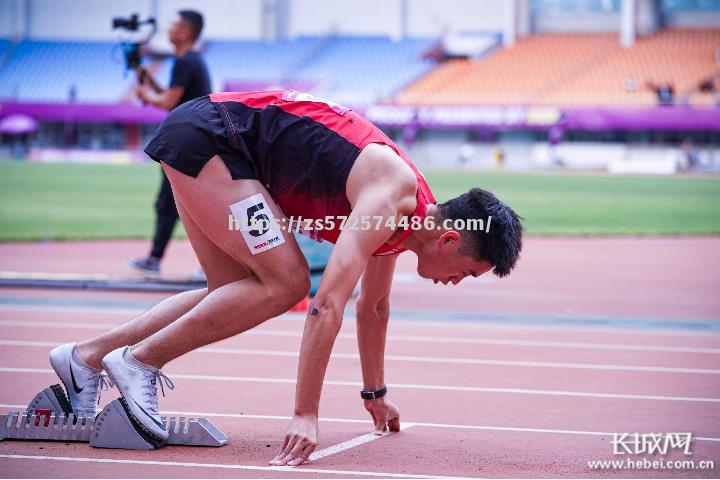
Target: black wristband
x=370, y=395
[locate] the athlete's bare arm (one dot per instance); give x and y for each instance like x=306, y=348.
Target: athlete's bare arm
x=373, y=313
x=378, y=186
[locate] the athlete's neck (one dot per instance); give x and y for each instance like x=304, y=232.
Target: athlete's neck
x=418, y=238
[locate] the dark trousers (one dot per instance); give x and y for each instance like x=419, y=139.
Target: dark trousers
x=167, y=217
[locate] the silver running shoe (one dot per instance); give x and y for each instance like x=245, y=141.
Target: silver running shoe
x=137, y=383
x=83, y=384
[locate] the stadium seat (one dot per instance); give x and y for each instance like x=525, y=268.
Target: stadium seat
x=49, y=71
x=576, y=69
x=362, y=70
x=354, y=70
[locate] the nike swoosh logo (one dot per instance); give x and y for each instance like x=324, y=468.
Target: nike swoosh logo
x=151, y=417
x=75, y=385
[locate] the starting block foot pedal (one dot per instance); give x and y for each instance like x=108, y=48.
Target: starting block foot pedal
x=47, y=418
x=115, y=427
x=51, y=399
x=52, y=426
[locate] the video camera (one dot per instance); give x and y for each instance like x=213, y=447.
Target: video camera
x=133, y=56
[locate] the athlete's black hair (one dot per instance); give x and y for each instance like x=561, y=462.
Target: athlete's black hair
x=501, y=245
x=194, y=20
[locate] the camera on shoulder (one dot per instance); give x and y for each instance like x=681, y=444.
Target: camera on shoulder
x=132, y=50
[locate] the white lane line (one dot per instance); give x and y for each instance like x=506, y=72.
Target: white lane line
x=418, y=359
x=533, y=430
x=436, y=360
x=475, y=361
x=341, y=447
x=294, y=470
x=504, y=342
x=413, y=386
x=9, y=275
x=66, y=309
x=353, y=442
x=71, y=325
x=414, y=423
x=444, y=323
x=415, y=338
x=30, y=343
x=546, y=344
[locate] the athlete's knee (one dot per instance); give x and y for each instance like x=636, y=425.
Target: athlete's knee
x=203, y=292
x=215, y=281
x=291, y=288
x=297, y=287
x=196, y=292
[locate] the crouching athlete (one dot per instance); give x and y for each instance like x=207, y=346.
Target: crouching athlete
x=260, y=158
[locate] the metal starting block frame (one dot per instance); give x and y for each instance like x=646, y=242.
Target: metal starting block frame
x=48, y=417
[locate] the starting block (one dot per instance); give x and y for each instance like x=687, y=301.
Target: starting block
x=49, y=417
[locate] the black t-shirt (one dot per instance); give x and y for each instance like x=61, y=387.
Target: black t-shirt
x=190, y=72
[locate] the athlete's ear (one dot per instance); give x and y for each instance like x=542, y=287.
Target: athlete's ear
x=448, y=237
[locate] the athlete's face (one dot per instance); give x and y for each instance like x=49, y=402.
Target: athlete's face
x=441, y=261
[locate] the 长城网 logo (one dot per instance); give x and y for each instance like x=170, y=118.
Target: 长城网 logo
x=651, y=443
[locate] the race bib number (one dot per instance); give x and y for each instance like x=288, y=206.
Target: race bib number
x=258, y=226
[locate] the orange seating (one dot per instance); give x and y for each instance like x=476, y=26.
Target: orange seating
x=575, y=69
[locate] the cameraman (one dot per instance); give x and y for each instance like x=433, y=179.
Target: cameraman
x=189, y=80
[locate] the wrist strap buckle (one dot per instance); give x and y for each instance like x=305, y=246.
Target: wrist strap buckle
x=372, y=395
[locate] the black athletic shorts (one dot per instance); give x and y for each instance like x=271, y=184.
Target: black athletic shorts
x=190, y=135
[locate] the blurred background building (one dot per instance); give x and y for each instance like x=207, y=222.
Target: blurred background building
x=618, y=85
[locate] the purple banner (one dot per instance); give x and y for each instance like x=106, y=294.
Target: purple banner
x=415, y=117
x=547, y=118
x=124, y=113
x=678, y=117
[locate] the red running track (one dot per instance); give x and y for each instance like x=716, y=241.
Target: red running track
x=637, y=277
x=532, y=398
x=543, y=404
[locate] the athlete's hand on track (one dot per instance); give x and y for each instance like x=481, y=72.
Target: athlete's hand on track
x=385, y=415
x=300, y=441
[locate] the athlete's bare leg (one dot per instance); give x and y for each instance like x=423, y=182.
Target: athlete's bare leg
x=224, y=270
x=271, y=282
x=221, y=269
x=93, y=350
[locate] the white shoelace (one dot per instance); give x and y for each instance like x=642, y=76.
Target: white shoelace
x=104, y=384
x=151, y=389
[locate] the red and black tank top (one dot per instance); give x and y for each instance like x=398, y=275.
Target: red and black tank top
x=302, y=149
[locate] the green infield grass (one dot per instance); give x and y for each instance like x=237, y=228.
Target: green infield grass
x=73, y=201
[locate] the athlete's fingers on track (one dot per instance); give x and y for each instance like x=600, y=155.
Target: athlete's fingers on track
x=394, y=424
x=284, y=450
x=380, y=426
x=279, y=459
x=303, y=457
x=298, y=444
x=375, y=420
